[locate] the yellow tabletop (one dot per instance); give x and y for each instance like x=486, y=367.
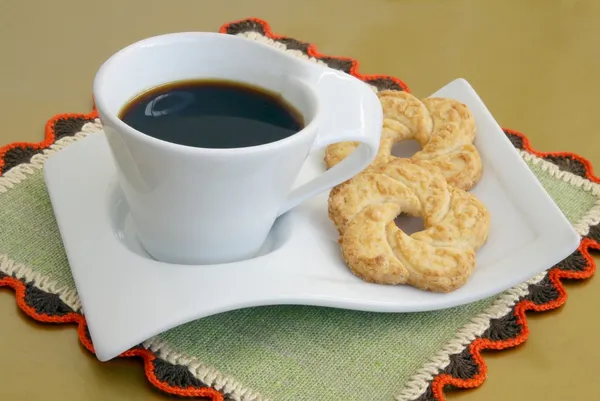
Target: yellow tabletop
x=535, y=63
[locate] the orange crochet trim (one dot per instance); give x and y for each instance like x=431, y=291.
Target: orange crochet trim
x=147, y=356
x=49, y=136
x=482, y=344
x=313, y=52
x=527, y=146
x=19, y=288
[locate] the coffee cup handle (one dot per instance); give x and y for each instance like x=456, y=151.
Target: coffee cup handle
x=351, y=111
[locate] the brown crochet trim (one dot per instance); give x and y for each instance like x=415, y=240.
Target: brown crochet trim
x=467, y=369
x=348, y=65
x=59, y=126
x=49, y=308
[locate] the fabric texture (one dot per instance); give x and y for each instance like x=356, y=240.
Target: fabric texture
x=294, y=352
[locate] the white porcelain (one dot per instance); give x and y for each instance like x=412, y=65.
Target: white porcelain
x=201, y=206
x=129, y=297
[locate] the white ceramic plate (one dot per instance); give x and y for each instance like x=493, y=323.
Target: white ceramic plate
x=128, y=297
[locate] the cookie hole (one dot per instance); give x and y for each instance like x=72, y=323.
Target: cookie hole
x=406, y=148
x=409, y=224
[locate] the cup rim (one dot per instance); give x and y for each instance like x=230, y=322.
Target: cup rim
x=101, y=77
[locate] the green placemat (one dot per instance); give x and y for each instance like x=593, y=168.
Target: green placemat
x=294, y=352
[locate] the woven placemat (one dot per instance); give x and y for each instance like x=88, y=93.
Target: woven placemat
x=294, y=352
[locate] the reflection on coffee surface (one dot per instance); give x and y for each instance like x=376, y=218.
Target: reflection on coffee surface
x=212, y=114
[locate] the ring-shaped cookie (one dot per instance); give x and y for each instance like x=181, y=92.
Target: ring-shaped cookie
x=440, y=258
x=444, y=128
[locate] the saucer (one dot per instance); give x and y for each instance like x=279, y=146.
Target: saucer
x=129, y=297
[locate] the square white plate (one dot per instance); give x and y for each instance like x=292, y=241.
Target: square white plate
x=129, y=297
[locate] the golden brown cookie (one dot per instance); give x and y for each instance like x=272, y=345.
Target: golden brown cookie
x=439, y=258
x=444, y=128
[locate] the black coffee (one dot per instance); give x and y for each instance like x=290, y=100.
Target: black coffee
x=212, y=114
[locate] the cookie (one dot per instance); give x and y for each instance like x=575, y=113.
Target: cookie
x=444, y=128
x=440, y=258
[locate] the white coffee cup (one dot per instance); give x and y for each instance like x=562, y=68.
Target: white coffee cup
x=207, y=206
